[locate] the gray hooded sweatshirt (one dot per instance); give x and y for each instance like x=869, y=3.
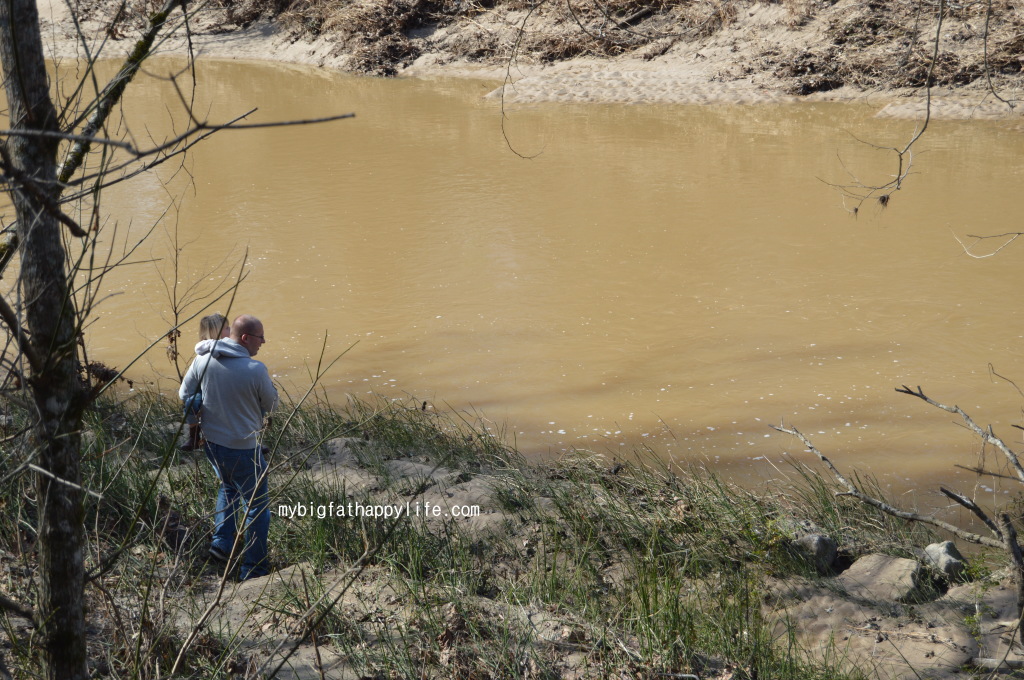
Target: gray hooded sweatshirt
x=237, y=394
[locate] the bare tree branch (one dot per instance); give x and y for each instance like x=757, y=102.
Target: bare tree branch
x=112, y=92
x=67, y=136
x=987, y=473
x=986, y=435
x=852, y=490
x=27, y=184
x=10, y=318
x=510, y=81
x=973, y=507
x=65, y=482
x=988, y=67
x=862, y=192
x=1002, y=527
x=1009, y=238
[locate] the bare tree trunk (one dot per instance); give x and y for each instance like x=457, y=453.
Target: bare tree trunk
x=49, y=347
x=1017, y=559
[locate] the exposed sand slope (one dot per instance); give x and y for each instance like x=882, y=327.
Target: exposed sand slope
x=747, y=61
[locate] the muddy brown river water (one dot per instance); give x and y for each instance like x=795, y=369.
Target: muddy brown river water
x=671, y=277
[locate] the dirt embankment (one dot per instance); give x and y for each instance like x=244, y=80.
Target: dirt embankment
x=628, y=51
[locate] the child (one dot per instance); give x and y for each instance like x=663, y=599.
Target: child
x=211, y=329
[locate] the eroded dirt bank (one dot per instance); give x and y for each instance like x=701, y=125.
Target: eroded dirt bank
x=701, y=52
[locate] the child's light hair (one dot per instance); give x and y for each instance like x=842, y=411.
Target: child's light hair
x=211, y=327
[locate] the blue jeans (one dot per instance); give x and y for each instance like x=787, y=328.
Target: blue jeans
x=242, y=475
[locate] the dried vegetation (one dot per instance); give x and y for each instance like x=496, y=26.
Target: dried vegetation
x=885, y=44
x=810, y=45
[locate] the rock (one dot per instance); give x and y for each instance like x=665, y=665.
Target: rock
x=818, y=549
x=795, y=528
x=341, y=451
x=809, y=542
x=881, y=577
x=944, y=557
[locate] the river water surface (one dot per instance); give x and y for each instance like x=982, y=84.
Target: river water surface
x=672, y=277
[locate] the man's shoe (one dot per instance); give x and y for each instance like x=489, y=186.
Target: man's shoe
x=218, y=554
x=194, y=442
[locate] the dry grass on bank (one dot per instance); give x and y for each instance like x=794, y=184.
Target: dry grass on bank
x=809, y=45
x=574, y=569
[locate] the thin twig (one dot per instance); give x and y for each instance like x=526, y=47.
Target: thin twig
x=1010, y=238
x=60, y=480
x=509, y=81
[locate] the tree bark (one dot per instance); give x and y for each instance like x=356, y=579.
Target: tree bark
x=1017, y=561
x=50, y=318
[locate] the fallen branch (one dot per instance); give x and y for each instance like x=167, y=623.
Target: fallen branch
x=16, y=607
x=986, y=435
x=1004, y=535
x=852, y=490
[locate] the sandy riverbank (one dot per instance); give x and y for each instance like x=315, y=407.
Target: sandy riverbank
x=728, y=66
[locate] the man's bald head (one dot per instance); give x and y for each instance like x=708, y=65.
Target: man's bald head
x=247, y=331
